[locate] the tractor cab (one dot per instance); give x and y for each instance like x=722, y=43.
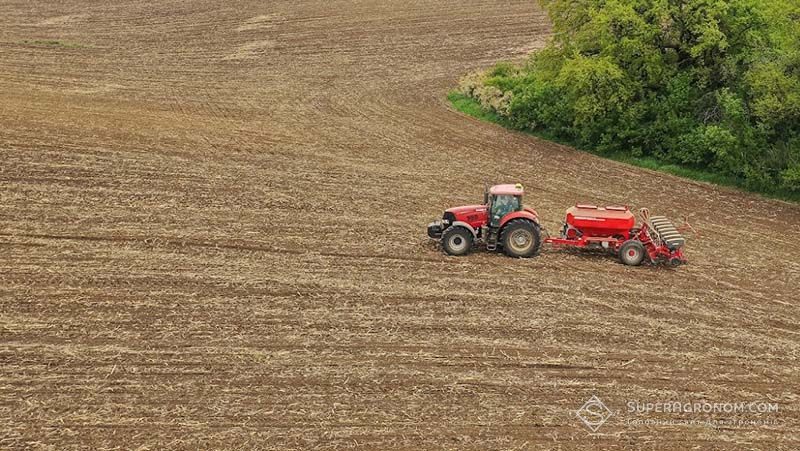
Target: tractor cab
x=502, y=200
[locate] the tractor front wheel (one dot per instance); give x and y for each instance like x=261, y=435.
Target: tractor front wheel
x=457, y=241
x=632, y=252
x=520, y=238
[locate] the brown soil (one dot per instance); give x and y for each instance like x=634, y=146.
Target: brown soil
x=212, y=236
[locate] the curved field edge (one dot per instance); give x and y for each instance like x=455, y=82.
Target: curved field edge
x=472, y=107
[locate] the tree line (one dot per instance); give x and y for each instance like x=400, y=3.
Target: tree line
x=709, y=84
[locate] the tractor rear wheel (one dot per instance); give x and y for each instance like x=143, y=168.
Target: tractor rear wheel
x=520, y=238
x=457, y=241
x=632, y=253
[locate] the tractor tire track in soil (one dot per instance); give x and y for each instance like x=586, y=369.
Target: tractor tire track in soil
x=212, y=229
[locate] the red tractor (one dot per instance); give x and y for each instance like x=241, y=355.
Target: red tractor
x=503, y=222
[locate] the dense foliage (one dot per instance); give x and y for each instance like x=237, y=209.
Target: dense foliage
x=712, y=84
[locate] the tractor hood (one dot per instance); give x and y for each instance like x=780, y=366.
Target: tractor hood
x=474, y=215
x=460, y=211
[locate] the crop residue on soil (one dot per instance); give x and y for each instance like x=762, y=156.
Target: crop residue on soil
x=212, y=229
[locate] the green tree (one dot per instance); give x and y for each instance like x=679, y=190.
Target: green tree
x=713, y=84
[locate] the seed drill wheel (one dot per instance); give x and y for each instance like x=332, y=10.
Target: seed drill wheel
x=520, y=238
x=457, y=241
x=632, y=253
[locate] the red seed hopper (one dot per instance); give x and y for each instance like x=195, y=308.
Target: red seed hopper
x=613, y=228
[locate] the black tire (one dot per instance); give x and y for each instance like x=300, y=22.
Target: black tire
x=521, y=238
x=457, y=241
x=632, y=253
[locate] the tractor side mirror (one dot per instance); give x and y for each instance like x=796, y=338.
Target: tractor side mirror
x=485, y=194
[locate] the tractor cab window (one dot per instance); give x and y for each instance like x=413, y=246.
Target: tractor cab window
x=503, y=205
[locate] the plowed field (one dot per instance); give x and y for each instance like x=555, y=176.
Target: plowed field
x=212, y=236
